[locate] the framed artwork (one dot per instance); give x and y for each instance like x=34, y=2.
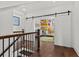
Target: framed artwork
x=16, y=21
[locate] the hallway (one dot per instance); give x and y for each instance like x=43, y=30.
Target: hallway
x=23, y=23
x=48, y=49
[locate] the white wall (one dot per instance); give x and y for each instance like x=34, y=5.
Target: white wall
x=67, y=27
x=62, y=23
x=76, y=27
x=5, y=25
x=63, y=27
x=29, y=26
x=20, y=15
x=6, y=21
x=63, y=30
x=26, y=24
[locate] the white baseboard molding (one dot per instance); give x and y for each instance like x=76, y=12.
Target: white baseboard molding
x=63, y=45
x=77, y=51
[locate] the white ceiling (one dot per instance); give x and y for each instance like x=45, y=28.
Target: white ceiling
x=4, y=4
x=33, y=6
x=40, y=5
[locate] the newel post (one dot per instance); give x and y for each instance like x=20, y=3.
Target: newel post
x=38, y=40
x=23, y=37
x=22, y=30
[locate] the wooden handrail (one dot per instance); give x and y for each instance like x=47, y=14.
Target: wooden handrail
x=15, y=38
x=14, y=35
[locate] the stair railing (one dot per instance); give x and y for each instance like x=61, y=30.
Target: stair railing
x=19, y=42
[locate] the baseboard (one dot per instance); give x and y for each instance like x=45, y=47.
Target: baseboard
x=63, y=45
x=76, y=51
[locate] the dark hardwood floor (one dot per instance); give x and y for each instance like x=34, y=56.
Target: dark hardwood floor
x=48, y=49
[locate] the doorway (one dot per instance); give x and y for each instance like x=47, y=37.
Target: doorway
x=46, y=26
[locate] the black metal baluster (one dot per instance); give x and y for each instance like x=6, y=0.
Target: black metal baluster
x=13, y=47
x=31, y=43
x=26, y=45
x=23, y=42
x=17, y=48
x=38, y=34
x=3, y=46
x=36, y=41
x=9, y=48
x=21, y=45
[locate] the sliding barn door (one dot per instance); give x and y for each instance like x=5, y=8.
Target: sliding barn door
x=63, y=30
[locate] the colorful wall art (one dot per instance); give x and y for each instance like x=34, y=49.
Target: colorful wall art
x=46, y=25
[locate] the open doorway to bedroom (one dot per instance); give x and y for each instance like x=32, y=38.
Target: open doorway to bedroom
x=46, y=26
